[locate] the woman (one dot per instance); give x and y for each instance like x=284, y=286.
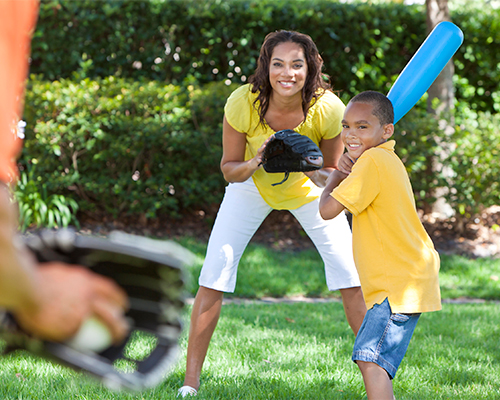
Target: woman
x=287, y=91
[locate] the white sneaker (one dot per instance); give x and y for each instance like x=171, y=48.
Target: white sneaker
x=186, y=391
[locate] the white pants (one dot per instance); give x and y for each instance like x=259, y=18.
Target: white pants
x=242, y=212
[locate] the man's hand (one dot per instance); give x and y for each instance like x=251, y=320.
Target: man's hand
x=68, y=296
x=79, y=279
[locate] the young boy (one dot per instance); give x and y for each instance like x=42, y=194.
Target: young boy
x=396, y=260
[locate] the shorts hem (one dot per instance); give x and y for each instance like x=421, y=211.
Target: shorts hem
x=367, y=356
x=350, y=285
x=216, y=287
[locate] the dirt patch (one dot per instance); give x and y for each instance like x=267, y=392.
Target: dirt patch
x=281, y=231
x=479, y=238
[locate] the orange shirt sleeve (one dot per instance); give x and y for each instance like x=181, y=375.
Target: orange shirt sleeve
x=17, y=23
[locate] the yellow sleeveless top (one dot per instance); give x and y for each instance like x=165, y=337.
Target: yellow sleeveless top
x=323, y=121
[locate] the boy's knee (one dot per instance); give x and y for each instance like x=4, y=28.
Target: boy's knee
x=372, y=369
x=364, y=365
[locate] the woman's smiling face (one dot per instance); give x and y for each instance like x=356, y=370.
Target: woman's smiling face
x=288, y=69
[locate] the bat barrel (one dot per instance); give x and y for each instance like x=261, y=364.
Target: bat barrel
x=424, y=67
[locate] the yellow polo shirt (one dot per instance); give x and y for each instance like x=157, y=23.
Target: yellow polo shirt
x=323, y=121
x=394, y=255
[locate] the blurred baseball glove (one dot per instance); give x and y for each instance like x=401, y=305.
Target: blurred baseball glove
x=289, y=151
x=151, y=273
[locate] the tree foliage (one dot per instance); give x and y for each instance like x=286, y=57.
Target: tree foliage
x=365, y=46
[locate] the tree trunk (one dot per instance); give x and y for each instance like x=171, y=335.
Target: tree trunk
x=443, y=90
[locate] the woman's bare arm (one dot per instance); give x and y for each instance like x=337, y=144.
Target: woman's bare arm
x=233, y=164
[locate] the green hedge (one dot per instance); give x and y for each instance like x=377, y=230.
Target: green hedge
x=123, y=147
x=126, y=147
x=474, y=184
x=365, y=46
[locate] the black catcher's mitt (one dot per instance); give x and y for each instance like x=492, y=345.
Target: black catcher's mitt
x=151, y=273
x=289, y=151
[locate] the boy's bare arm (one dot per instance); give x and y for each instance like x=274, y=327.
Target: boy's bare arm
x=328, y=206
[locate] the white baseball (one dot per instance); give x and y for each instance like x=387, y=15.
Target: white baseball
x=93, y=335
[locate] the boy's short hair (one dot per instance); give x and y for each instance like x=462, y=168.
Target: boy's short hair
x=382, y=106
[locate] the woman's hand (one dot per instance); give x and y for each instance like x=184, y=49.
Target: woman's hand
x=258, y=157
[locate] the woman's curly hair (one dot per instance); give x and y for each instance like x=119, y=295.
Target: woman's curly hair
x=316, y=82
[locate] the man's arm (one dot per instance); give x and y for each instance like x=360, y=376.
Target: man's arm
x=17, y=269
x=328, y=206
x=51, y=301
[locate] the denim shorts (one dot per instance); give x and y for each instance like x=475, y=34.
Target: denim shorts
x=384, y=337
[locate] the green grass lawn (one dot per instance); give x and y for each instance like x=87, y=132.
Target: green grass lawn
x=267, y=272
x=302, y=351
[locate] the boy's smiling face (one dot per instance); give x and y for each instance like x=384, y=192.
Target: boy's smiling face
x=361, y=130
